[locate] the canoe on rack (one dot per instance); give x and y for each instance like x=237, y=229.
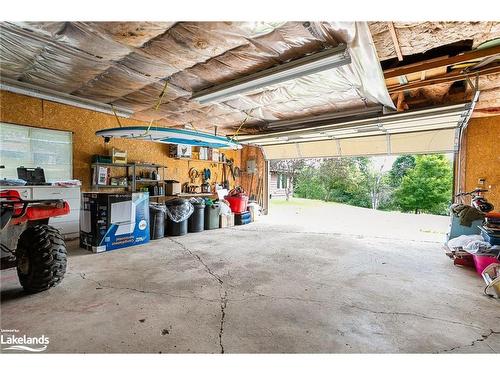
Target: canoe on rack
x=170, y=135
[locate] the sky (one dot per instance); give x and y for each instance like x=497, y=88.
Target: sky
x=386, y=161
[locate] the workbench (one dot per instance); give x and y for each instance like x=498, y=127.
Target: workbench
x=187, y=195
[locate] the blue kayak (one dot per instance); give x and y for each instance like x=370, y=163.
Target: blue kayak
x=170, y=135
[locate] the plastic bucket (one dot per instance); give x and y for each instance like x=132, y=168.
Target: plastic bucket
x=238, y=203
x=196, y=221
x=483, y=261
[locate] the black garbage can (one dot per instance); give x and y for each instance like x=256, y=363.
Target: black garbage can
x=179, y=208
x=156, y=221
x=212, y=213
x=196, y=221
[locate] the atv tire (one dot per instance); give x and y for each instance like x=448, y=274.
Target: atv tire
x=41, y=258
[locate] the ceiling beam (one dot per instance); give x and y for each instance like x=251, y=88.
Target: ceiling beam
x=395, y=40
x=445, y=78
x=440, y=62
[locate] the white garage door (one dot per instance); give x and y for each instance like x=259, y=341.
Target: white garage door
x=423, y=131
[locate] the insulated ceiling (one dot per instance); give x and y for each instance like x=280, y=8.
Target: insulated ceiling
x=422, y=131
x=127, y=64
x=419, y=37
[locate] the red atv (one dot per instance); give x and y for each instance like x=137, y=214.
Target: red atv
x=29, y=243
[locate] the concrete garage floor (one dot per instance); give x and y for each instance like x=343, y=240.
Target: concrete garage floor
x=261, y=288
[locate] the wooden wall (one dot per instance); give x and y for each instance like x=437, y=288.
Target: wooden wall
x=250, y=182
x=25, y=110
x=482, y=156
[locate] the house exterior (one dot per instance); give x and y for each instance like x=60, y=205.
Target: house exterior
x=278, y=183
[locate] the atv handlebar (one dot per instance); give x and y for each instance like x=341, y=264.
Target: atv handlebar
x=475, y=191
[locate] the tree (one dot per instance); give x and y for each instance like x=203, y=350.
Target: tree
x=427, y=187
x=378, y=183
x=400, y=168
x=289, y=168
x=308, y=184
x=344, y=181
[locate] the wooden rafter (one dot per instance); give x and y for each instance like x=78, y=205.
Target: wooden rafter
x=440, y=62
x=448, y=77
x=395, y=41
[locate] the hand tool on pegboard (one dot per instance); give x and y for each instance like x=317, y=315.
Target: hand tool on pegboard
x=250, y=189
x=230, y=163
x=225, y=182
x=257, y=191
x=193, y=175
x=260, y=193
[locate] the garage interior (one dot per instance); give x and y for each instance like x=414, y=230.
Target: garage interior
x=280, y=90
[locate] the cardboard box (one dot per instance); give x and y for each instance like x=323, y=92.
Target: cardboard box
x=215, y=155
x=172, y=187
x=203, y=153
x=118, y=156
x=111, y=221
x=226, y=220
x=180, y=151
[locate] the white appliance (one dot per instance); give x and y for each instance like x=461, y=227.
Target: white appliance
x=123, y=215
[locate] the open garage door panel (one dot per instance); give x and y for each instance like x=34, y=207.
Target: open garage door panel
x=423, y=131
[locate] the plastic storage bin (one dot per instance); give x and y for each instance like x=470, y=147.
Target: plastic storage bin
x=212, y=213
x=156, y=221
x=196, y=222
x=238, y=203
x=456, y=229
x=483, y=261
x=493, y=239
x=242, y=218
x=227, y=220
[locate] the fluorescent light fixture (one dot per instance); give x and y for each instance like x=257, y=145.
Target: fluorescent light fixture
x=28, y=89
x=318, y=62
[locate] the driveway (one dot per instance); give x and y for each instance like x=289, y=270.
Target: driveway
x=314, y=216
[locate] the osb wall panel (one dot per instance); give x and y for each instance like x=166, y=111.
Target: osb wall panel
x=24, y=110
x=250, y=182
x=483, y=156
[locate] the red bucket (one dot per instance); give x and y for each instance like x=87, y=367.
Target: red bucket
x=238, y=203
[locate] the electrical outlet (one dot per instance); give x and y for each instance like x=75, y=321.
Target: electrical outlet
x=481, y=181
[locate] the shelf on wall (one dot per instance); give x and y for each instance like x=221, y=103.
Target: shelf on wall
x=181, y=195
x=131, y=173
x=99, y=186
x=147, y=165
x=111, y=165
x=201, y=160
x=147, y=180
